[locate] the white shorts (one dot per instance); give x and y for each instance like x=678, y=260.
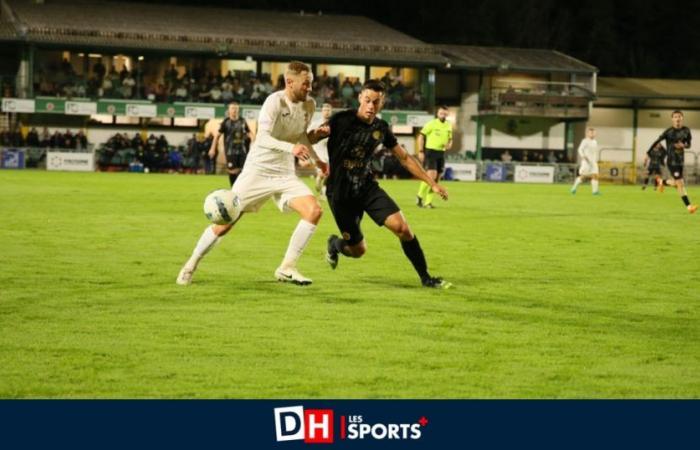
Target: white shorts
x=588, y=169
x=254, y=189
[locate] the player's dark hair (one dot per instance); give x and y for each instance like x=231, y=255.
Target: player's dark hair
x=443, y=107
x=678, y=111
x=374, y=85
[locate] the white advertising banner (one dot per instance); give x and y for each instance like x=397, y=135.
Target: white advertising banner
x=71, y=162
x=18, y=105
x=200, y=112
x=250, y=114
x=418, y=120
x=462, y=171
x=81, y=108
x=534, y=174
x=141, y=110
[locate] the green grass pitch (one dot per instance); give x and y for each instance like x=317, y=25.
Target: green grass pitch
x=556, y=296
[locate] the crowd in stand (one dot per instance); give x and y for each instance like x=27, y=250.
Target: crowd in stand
x=201, y=86
x=67, y=140
x=156, y=155
x=532, y=156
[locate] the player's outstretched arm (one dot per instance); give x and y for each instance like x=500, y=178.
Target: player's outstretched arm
x=657, y=141
x=318, y=134
x=417, y=170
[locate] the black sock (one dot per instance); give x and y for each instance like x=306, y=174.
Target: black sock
x=415, y=254
x=340, y=246
x=686, y=200
x=646, y=181
x=232, y=178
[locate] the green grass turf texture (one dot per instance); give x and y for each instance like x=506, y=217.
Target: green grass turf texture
x=556, y=296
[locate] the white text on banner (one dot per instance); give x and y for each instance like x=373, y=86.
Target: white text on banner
x=71, y=162
x=534, y=174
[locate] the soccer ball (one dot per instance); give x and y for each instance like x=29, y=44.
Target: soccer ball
x=222, y=206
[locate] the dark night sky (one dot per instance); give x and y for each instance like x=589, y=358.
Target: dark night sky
x=641, y=38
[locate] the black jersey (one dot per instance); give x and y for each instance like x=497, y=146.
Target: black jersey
x=657, y=156
x=235, y=136
x=351, y=147
x=675, y=156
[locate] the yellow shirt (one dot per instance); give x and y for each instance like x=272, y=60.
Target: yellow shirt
x=437, y=134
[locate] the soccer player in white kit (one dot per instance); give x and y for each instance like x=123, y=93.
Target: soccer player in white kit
x=321, y=148
x=269, y=172
x=588, y=153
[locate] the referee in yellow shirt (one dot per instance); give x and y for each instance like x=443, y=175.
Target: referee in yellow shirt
x=434, y=139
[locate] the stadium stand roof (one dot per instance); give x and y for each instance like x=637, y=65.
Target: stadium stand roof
x=7, y=30
x=648, y=89
x=123, y=25
x=513, y=59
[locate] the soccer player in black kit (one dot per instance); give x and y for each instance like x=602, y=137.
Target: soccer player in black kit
x=656, y=157
x=677, y=140
x=352, y=190
x=237, y=139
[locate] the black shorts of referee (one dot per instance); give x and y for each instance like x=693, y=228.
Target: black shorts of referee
x=434, y=160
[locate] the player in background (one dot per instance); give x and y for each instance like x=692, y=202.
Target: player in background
x=353, y=191
x=677, y=139
x=654, y=159
x=237, y=139
x=321, y=148
x=588, y=154
x=269, y=172
x=434, y=139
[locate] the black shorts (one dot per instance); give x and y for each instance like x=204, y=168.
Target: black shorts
x=348, y=212
x=654, y=170
x=434, y=160
x=676, y=172
x=235, y=160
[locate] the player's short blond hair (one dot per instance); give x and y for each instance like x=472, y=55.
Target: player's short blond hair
x=295, y=68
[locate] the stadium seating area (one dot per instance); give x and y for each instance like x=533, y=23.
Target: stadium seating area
x=122, y=152
x=197, y=84
x=57, y=140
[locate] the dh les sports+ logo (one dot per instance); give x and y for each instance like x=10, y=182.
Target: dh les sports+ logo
x=322, y=426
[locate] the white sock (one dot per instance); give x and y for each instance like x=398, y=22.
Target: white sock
x=577, y=182
x=205, y=243
x=297, y=243
x=594, y=185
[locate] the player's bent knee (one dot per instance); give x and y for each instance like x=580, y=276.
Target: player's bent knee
x=314, y=214
x=405, y=233
x=220, y=230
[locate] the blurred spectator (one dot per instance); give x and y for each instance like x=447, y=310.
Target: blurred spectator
x=33, y=138
x=209, y=163
x=45, y=138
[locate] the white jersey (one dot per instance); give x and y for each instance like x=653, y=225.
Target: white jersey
x=588, y=149
x=281, y=125
x=321, y=147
